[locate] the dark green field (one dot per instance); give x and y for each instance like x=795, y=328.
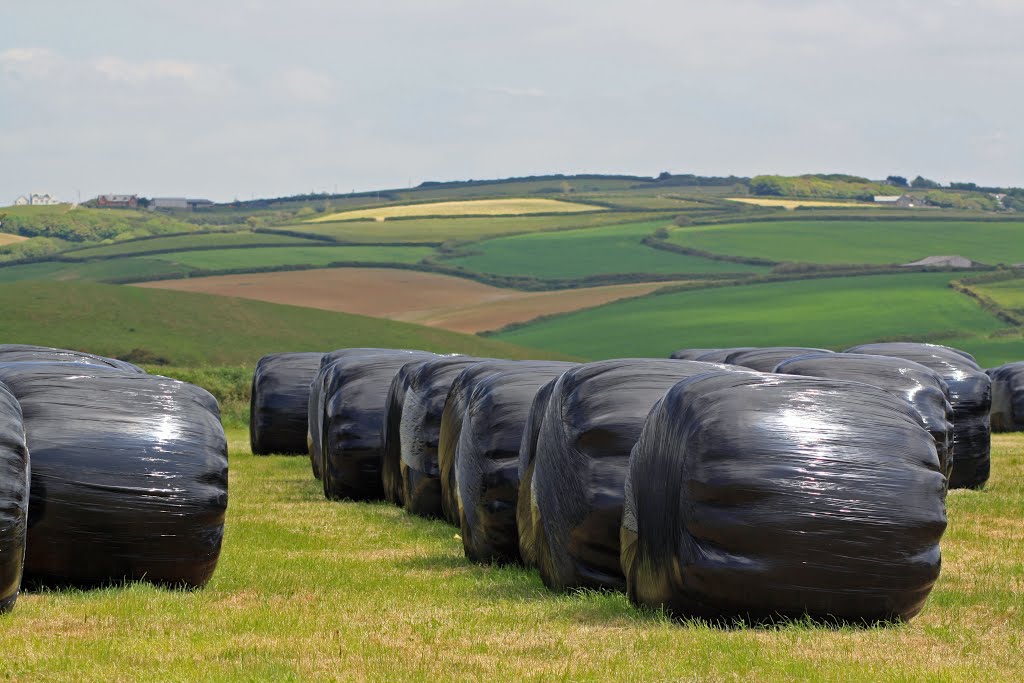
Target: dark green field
x=190, y=242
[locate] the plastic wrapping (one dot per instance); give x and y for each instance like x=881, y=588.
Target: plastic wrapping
x=129, y=476
x=14, y=487
x=420, y=428
x=524, y=470
x=765, y=359
x=691, y=354
x=1007, y=397
x=25, y=353
x=280, y=398
x=354, y=402
x=391, y=448
x=918, y=385
x=487, y=459
x=763, y=496
x=591, y=421
x=970, y=394
x=719, y=355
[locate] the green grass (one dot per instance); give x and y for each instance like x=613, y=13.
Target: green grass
x=835, y=313
x=140, y=268
x=82, y=224
x=312, y=590
x=1008, y=293
x=594, y=251
x=182, y=328
x=227, y=259
x=816, y=241
x=189, y=242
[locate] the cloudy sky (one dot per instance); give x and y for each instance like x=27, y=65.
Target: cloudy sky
x=236, y=98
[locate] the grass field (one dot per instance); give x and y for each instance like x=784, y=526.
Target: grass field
x=795, y=203
x=833, y=313
x=815, y=241
x=595, y=251
x=202, y=330
x=1008, y=293
x=443, y=301
x=227, y=259
x=189, y=242
x=310, y=590
x=140, y=268
x=477, y=207
x=6, y=239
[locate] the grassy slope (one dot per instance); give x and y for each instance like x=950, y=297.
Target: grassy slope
x=477, y=207
x=595, y=251
x=312, y=590
x=200, y=241
x=198, y=329
x=859, y=241
x=1009, y=293
x=92, y=270
x=835, y=313
x=222, y=259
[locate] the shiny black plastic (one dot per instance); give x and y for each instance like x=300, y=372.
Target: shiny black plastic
x=280, y=398
x=757, y=497
x=922, y=387
x=591, y=421
x=487, y=459
x=691, y=354
x=354, y=402
x=25, y=353
x=765, y=359
x=719, y=355
x=14, y=486
x=524, y=469
x=391, y=439
x=970, y=394
x=1007, y=397
x=129, y=476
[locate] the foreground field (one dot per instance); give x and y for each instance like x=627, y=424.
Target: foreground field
x=477, y=207
x=426, y=298
x=311, y=590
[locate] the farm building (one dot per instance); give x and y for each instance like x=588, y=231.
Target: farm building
x=178, y=203
x=36, y=199
x=903, y=201
x=117, y=201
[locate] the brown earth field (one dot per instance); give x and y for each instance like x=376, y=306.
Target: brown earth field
x=442, y=301
x=6, y=238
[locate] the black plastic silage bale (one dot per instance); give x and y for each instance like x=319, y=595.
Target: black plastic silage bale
x=524, y=469
x=765, y=359
x=1007, y=397
x=14, y=487
x=691, y=354
x=391, y=439
x=487, y=459
x=129, y=476
x=279, y=400
x=719, y=355
x=970, y=394
x=591, y=421
x=918, y=385
x=26, y=353
x=354, y=405
x=757, y=497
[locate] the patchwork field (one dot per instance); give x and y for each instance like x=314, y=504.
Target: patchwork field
x=190, y=243
x=6, y=238
x=308, y=589
x=476, y=207
x=832, y=313
x=426, y=298
x=854, y=241
x=582, y=253
x=228, y=259
x=62, y=271
x=796, y=203
x=1008, y=293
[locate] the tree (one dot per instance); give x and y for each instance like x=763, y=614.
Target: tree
x=664, y=175
x=897, y=181
x=919, y=183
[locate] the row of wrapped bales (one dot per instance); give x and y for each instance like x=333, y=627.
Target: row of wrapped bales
x=691, y=354
x=754, y=496
x=917, y=385
x=765, y=359
x=14, y=487
x=579, y=459
x=1007, y=397
x=354, y=402
x=970, y=394
x=25, y=353
x=391, y=446
x=486, y=460
x=128, y=475
x=278, y=403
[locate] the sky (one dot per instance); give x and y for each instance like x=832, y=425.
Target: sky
x=229, y=99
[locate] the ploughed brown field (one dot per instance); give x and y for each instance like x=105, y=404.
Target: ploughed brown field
x=443, y=301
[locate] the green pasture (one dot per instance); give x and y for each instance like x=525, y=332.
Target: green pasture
x=856, y=241
x=581, y=253
x=308, y=589
x=189, y=242
x=127, y=268
x=1008, y=293
x=833, y=313
x=233, y=259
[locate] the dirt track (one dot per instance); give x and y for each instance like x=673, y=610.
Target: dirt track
x=426, y=298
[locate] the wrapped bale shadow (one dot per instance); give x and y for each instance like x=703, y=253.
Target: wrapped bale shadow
x=355, y=400
x=919, y=386
x=765, y=360
x=25, y=353
x=591, y=422
x=970, y=394
x=757, y=497
x=719, y=355
x=129, y=476
x=14, y=487
x=1007, y=397
x=278, y=403
x=419, y=430
x=487, y=459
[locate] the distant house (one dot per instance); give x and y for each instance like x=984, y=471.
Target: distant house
x=903, y=201
x=180, y=203
x=36, y=199
x=21, y=201
x=117, y=201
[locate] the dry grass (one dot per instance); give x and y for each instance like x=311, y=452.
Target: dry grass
x=7, y=238
x=795, y=203
x=476, y=207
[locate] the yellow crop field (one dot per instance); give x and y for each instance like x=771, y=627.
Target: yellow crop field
x=477, y=207
x=794, y=203
x=6, y=239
